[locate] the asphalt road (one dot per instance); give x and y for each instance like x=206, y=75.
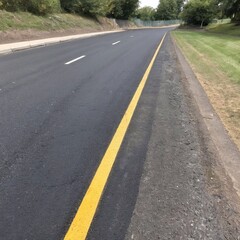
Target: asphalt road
x=60, y=106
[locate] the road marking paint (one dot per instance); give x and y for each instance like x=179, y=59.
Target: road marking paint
x=84, y=216
x=116, y=43
x=74, y=60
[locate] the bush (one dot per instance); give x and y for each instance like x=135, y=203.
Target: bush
x=11, y=5
x=115, y=8
x=40, y=7
x=72, y=6
x=89, y=7
x=43, y=7
x=123, y=9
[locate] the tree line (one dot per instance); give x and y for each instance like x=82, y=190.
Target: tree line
x=202, y=12
x=122, y=9
x=166, y=10
x=195, y=12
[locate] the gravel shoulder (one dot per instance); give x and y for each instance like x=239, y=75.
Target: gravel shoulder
x=184, y=193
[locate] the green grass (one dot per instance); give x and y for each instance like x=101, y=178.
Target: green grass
x=227, y=28
x=23, y=21
x=222, y=51
x=215, y=59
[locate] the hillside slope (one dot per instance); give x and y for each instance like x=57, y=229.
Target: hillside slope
x=22, y=26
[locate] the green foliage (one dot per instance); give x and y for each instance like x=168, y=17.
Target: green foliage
x=115, y=8
x=73, y=6
x=11, y=5
x=43, y=7
x=199, y=12
x=89, y=7
x=167, y=10
x=40, y=7
x=146, y=14
x=230, y=8
x=179, y=6
x=96, y=7
x=124, y=9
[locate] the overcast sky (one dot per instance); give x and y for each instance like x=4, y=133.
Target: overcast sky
x=152, y=3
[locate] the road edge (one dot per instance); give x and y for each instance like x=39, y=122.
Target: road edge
x=229, y=155
x=19, y=46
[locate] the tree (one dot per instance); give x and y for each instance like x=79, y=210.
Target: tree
x=73, y=6
x=40, y=7
x=167, y=10
x=230, y=8
x=199, y=12
x=124, y=9
x=89, y=7
x=9, y=5
x=179, y=6
x=146, y=14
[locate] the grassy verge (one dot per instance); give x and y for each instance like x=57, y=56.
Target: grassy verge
x=228, y=28
x=216, y=61
x=24, y=21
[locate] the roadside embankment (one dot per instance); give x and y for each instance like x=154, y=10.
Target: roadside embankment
x=23, y=26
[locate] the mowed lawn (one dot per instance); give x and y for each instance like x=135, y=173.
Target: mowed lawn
x=215, y=59
x=229, y=28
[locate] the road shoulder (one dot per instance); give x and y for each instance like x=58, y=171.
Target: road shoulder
x=184, y=191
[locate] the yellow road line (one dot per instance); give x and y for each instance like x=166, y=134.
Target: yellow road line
x=83, y=219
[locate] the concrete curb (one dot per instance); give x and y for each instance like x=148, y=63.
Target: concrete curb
x=19, y=46
x=227, y=149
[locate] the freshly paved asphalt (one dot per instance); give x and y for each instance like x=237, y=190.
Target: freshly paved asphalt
x=56, y=122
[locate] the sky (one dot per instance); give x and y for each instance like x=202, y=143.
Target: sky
x=151, y=3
